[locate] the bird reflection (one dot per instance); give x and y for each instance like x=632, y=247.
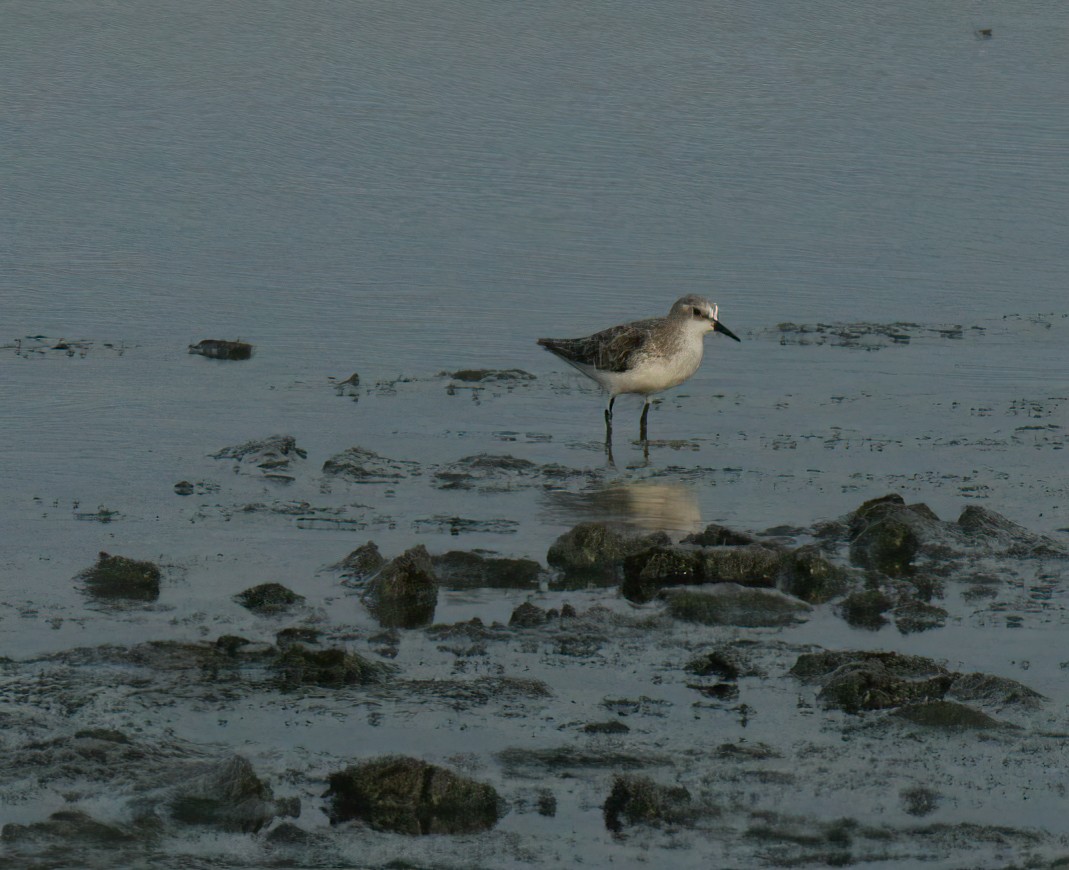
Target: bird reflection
x=651, y=506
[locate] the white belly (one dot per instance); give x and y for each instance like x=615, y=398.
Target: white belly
x=653, y=374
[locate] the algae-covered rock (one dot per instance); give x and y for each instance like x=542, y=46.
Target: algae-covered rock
x=484, y=375
x=299, y=666
x=734, y=605
x=459, y=569
x=715, y=535
x=117, y=577
x=594, y=552
x=527, y=615
x=946, y=714
x=362, y=563
x=806, y=574
x=999, y=692
x=869, y=686
x=268, y=598
x=638, y=800
x=227, y=795
x=996, y=532
x=410, y=796
x=404, y=593
x=715, y=663
x=913, y=616
x=271, y=456
x=750, y=565
x=887, y=545
x=865, y=608
x=818, y=665
x=647, y=572
x=488, y=473
x=218, y=348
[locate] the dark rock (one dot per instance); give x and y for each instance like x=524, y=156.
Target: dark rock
x=856, y=681
x=364, y=466
x=220, y=349
x=887, y=545
x=866, y=608
x=227, y=795
x=613, y=726
x=289, y=834
x=733, y=605
x=547, y=803
x=806, y=574
x=714, y=664
x=488, y=473
x=468, y=570
x=404, y=593
x=999, y=692
x=269, y=455
x=362, y=563
x=298, y=666
x=268, y=598
x=594, y=552
x=298, y=634
x=995, y=532
x=646, y=573
x=231, y=644
x=816, y=666
x=946, y=714
x=68, y=827
x=483, y=375
x=184, y=487
x=527, y=615
x=913, y=616
x=638, y=800
x=409, y=796
x=120, y=577
x=715, y=535
x=919, y=801
x=717, y=691
x=752, y=565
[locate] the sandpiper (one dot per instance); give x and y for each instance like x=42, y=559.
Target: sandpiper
x=643, y=357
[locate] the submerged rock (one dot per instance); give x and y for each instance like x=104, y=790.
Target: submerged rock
x=404, y=594
x=409, y=796
x=216, y=348
x=715, y=535
x=913, y=616
x=365, y=466
x=638, y=800
x=484, y=375
x=994, y=531
x=300, y=666
x=488, y=473
x=648, y=572
x=120, y=577
x=716, y=664
x=946, y=714
x=734, y=605
x=805, y=573
x=594, y=553
x=227, y=795
x=271, y=455
x=268, y=598
x=458, y=569
x=528, y=615
x=866, y=608
x=68, y=827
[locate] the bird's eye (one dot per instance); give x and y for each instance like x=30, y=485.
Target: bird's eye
x=697, y=312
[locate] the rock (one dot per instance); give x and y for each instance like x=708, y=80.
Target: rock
x=999, y=692
x=527, y=615
x=638, y=800
x=819, y=665
x=593, y=553
x=866, y=608
x=362, y=563
x=364, y=466
x=488, y=473
x=887, y=545
x=227, y=795
x=547, y=803
x=184, y=487
x=733, y=605
x=806, y=574
x=409, y=796
x=919, y=801
x=301, y=634
x=613, y=726
x=714, y=664
x=67, y=827
x=404, y=593
x=272, y=451
x=120, y=577
x=913, y=616
x=857, y=681
x=716, y=535
x=946, y=714
x=220, y=349
x=751, y=565
x=268, y=598
x=484, y=375
x=477, y=569
x=646, y=573
x=995, y=532
x=299, y=666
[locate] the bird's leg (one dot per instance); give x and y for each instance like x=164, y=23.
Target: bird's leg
x=608, y=423
x=642, y=420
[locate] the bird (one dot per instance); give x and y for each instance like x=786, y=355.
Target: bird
x=644, y=357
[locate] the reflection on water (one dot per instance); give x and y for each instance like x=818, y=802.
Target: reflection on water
x=668, y=506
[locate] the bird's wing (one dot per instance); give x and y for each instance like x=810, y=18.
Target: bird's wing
x=611, y=350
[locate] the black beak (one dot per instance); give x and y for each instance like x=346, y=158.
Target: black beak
x=719, y=327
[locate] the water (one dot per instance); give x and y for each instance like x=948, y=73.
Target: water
x=399, y=189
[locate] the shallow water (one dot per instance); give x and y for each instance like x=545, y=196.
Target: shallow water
x=401, y=191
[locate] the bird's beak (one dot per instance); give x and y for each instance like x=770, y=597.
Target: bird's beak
x=719, y=327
